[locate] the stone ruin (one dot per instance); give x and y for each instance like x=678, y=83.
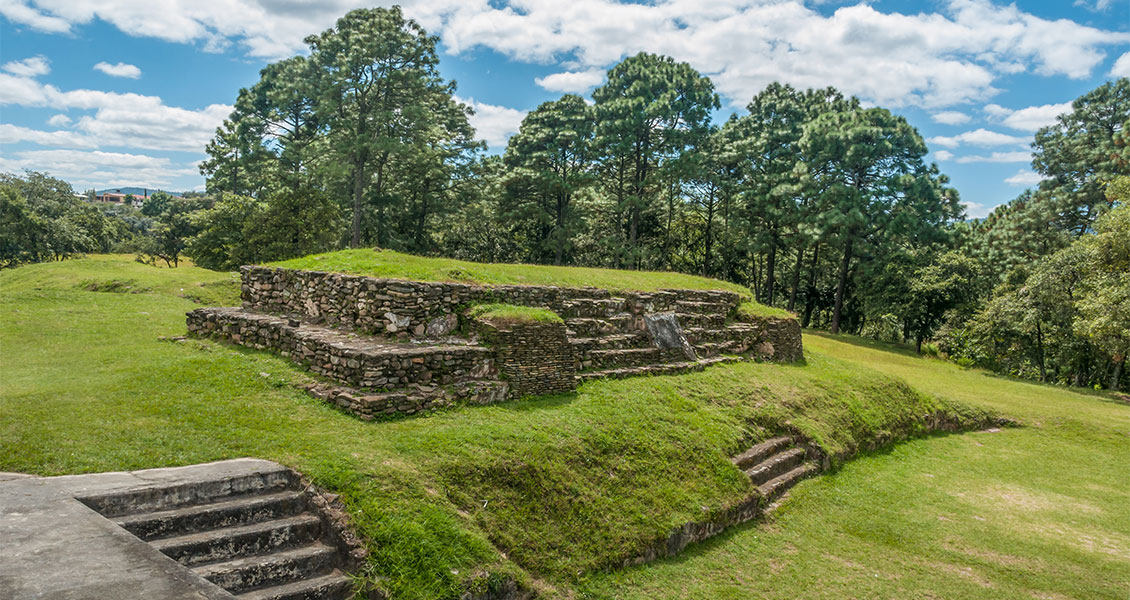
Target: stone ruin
x=387, y=346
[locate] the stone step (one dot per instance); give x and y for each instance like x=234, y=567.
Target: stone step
x=353, y=359
x=776, y=465
x=233, y=542
x=591, y=307
x=412, y=399
x=208, y=487
x=712, y=296
x=703, y=308
x=582, y=345
x=734, y=332
x=774, y=488
x=761, y=451
x=332, y=586
x=592, y=327
x=243, y=510
x=712, y=321
x=278, y=568
x=715, y=348
x=674, y=368
x=631, y=357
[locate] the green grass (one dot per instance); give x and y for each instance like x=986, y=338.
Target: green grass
x=510, y=313
x=1041, y=511
x=751, y=309
x=549, y=491
x=396, y=265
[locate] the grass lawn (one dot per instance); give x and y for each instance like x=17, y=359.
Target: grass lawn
x=396, y=265
x=551, y=491
x=1041, y=511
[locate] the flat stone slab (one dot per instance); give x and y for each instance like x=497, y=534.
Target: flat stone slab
x=54, y=547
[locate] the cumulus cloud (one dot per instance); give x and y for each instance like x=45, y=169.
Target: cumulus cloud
x=1024, y=178
x=95, y=167
x=59, y=120
x=118, y=120
x=119, y=70
x=997, y=157
x=576, y=82
x=1121, y=66
x=926, y=59
x=950, y=117
x=492, y=123
x=1027, y=119
x=943, y=155
x=977, y=137
x=28, y=67
x=976, y=210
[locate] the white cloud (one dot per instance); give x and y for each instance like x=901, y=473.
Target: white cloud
x=1024, y=178
x=1121, y=66
x=59, y=120
x=925, y=59
x=495, y=124
x=119, y=70
x=118, y=120
x=997, y=157
x=950, y=117
x=976, y=210
x=943, y=155
x=97, y=168
x=28, y=67
x=14, y=134
x=1030, y=118
x=577, y=82
x=977, y=137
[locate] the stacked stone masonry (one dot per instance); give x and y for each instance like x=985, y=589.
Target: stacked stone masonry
x=400, y=347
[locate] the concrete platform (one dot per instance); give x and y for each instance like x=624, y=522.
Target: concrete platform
x=52, y=546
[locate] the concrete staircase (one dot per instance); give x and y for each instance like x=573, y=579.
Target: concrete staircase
x=776, y=465
x=257, y=535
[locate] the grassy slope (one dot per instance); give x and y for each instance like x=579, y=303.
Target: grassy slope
x=563, y=485
x=396, y=265
x=1041, y=511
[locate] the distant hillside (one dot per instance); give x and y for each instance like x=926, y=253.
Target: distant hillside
x=137, y=191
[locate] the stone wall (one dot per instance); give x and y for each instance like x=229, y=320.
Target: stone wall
x=430, y=309
x=533, y=358
x=349, y=359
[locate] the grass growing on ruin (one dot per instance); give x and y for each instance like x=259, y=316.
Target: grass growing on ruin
x=749, y=308
x=552, y=490
x=397, y=265
x=510, y=313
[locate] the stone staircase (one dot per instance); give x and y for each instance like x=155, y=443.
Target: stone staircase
x=260, y=535
x=776, y=465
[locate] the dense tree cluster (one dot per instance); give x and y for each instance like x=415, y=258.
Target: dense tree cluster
x=819, y=204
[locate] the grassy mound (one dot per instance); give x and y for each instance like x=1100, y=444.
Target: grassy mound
x=510, y=313
x=396, y=265
x=550, y=491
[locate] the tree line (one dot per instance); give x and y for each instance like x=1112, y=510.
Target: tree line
x=819, y=204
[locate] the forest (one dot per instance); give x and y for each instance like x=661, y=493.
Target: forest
x=819, y=204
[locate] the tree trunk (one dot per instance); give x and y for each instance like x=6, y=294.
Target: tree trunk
x=810, y=300
x=796, y=278
x=770, y=270
x=709, y=241
x=1119, y=361
x=841, y=284
x=1040, y=350
x=358, y=191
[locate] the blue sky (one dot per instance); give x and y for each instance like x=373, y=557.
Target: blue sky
x=107, y=93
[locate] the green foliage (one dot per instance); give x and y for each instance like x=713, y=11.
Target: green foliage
x=41, y=219
x=175, y=224
x=509, y=313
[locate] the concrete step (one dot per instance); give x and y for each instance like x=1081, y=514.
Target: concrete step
x=332, y=586
x=761, y=451
x=242, y=510
x=774, y=488
x=775, y=465
x=233, y=542
x=197, y=485
x=277, y=568
x=593, y=327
